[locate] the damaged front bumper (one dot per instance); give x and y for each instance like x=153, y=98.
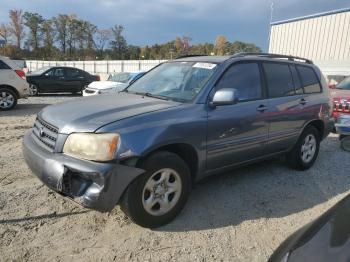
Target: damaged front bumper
x=94, y=185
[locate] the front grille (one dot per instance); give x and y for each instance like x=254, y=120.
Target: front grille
x=45, y=133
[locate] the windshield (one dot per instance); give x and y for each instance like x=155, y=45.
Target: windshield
x=180, y=81
x=40, y=71
x=345, y=84
x=121, y=77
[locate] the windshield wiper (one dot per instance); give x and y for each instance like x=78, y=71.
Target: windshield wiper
x=155, y=96
x=147, y=94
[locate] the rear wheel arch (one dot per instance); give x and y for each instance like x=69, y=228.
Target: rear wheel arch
x=318, y=124
x=12, y=89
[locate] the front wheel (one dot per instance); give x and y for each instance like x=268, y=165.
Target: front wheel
x=158, y=196
x=305, y=152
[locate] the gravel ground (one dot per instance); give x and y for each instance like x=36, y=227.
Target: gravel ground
x=240, y=216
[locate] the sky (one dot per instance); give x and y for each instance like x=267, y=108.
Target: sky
x=147, y=22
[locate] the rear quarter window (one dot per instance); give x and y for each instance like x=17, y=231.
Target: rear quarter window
x=279, y=80
x=309, y=80
x=3, y=65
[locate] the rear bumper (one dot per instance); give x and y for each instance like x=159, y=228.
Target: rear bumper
x=94, y=185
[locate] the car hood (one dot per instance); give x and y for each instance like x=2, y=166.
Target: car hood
x=100, y=85
x=338, y=93
x=325, y=239
x=90, y=113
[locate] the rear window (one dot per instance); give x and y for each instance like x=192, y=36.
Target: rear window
x=309, y=80
x=3, y=65
x=279, y=80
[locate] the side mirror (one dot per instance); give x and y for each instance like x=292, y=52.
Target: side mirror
x=47, y=75
x=225, y=96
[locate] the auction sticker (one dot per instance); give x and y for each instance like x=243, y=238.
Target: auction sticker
x=205, y=65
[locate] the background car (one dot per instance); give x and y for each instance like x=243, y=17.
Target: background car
x=325, y=239
x=115, y=83
x=13, y=85
x=59, y=80
x=341, y=98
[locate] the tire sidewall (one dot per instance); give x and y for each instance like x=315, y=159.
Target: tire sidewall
x=134, y=192
x=316, y=134
x=14, y=96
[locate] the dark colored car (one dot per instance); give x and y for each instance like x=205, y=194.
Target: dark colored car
x=182, y=121
x=59, y=80
x=341, y=98
x=325, y=239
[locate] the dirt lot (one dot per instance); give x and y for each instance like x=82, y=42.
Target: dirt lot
x=241, y=216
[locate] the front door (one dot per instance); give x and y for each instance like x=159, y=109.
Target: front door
x=238, y=133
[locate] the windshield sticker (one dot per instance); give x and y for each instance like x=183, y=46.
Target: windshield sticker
x=205, y=65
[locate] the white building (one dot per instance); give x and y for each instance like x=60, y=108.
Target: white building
x=323, y=38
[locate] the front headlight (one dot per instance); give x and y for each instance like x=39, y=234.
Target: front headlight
x=90, y=146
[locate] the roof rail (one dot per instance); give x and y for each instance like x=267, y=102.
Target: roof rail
x=184, y=56
x=268, y=55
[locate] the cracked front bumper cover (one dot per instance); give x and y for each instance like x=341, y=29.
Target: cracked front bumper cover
x=94, y=185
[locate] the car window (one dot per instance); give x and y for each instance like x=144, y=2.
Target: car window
x=71, y=72
x=179, y=81
x=279, y=80
x=245, y=79
x=3, y=65
x=309, y=80
x=296, y=80
x=345, y=84
x=59, y=72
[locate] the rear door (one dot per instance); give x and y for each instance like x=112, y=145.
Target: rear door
x=286, y=108
x=238, y=133
x=74, y=80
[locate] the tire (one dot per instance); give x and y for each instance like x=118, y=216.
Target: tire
x=304, y=154
x=33, y=89
x=8, y=99
x=143, y=205
x=345, y=143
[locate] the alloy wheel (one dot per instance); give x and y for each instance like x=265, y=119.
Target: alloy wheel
x=6, y=100
x=308, y=148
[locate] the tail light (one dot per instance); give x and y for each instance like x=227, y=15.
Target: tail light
x=341, y=105
x=98, y=78
x=21, y=74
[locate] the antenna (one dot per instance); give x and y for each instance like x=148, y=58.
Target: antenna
x=271, y=17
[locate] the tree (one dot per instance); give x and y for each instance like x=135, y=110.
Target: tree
x=34, y=22
x=16, y=25
x=103, y=37
x=118, y=43
x=61, y=26
x=5, y=32
x=48, y=33
x=220, y=45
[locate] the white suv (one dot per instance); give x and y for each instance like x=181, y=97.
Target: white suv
x=13, y=84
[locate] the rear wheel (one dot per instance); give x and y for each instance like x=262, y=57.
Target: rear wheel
x=33, y=90
x=158, y=196
x=305, y=152
x=8, y=99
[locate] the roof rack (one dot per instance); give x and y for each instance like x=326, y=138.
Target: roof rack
x=184, y=56
x=289, y=57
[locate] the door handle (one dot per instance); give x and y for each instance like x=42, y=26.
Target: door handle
x=303, y=101
x=262, y=108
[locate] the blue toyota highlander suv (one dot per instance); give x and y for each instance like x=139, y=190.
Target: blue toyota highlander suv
x=186, y=119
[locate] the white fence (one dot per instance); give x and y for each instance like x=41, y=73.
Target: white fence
x=98, y=67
